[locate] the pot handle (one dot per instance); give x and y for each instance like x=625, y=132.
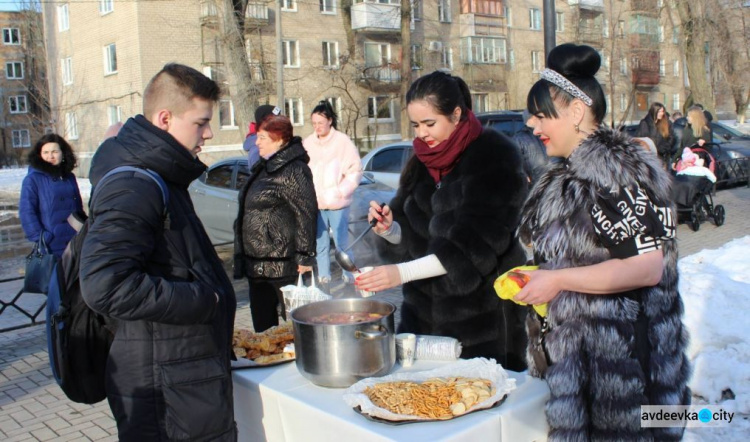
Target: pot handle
x=371, y=335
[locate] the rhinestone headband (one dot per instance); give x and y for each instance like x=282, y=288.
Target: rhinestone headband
x=565, y=84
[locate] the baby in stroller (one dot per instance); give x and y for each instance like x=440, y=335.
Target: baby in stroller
x=693, y=185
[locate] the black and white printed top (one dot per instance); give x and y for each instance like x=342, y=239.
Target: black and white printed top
x=628, y=223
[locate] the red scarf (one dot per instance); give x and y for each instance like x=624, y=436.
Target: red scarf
x=441, y=159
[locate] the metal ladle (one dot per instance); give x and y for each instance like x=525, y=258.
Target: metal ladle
x=344, y=260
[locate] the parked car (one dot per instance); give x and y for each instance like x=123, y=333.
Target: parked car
x=215, y=194
x=385, y=163
x=730, y=148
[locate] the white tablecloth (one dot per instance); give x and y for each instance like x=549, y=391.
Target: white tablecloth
x=278, y=404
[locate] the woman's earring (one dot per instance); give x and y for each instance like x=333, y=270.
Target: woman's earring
x=578, y=129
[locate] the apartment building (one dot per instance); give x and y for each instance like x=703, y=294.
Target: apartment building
x=102, y=54
x=23, y=86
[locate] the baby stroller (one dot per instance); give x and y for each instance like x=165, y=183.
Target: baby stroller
x=693, y=186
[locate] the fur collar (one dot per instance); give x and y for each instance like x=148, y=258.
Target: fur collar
x=39, y=164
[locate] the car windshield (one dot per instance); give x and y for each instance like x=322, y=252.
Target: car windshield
x=722, y=129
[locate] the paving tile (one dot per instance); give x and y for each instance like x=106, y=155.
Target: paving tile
x=44, y=434
x=95, y=433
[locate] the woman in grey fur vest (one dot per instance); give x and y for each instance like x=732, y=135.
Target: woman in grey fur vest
x=602, y=228
x=452, y=226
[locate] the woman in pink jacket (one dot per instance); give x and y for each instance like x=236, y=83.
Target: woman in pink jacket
x=337, y=170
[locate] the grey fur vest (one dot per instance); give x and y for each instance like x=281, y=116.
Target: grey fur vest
x=596, y=382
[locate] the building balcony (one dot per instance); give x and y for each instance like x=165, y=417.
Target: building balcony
x=644, y=6
x=256, y=14
x=479, y=25
x=645, y=67
x=644, y=41
x=588, y=4
x=209, y=14
x=376, y=17
x=592, y=36
x=386, y=78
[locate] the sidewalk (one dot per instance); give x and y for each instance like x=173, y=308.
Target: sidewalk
x=33, y=408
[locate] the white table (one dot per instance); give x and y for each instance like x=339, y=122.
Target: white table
x=278, y=404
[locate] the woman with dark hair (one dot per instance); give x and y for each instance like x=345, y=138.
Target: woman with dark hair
x=452, y=226
x=337, y=170
x=49, y=193
x=602, y=228
x=275, y=226
x=656, y=125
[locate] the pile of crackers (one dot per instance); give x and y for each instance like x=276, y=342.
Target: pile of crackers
x=265, y=347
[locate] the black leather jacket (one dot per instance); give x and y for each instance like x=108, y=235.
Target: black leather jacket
x=276, y=224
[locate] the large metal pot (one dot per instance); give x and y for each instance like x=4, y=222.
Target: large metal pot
x=338, y=355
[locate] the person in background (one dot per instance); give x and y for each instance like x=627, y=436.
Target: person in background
x=697, y=132
x=113, y=130
x=676, y=115
x=154, y=271
x=602, y=229
x=656, y=126
x=532, y=150
x=275, y=227
x=50, y=194
x=249, y=145
x=707, y=114
x=337, y=170
x=452, y=226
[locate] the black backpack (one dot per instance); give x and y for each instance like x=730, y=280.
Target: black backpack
x=78, y=338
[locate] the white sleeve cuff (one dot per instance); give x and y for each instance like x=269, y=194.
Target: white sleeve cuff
x=422, y=268
x=393, y=234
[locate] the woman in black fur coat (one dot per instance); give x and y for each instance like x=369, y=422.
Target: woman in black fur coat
x=602, y=228
x=452, y=226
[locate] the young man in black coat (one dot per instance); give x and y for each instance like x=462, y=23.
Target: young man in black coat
x=168, y=373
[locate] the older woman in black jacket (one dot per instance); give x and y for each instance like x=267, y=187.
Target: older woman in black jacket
x=276, y=223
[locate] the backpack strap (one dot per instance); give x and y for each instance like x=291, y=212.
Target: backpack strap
x=146, y=172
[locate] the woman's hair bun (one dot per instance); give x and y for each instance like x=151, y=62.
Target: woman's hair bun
x=574, y=61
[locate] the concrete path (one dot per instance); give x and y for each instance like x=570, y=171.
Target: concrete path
x=33, y=408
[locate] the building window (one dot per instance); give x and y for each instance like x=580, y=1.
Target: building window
x=535, y=19
x=416, y=10
x=17, y=104
x=110, y=59
x=66, y=68
x=327, y=6
x=605, y=61
x=662, y=67
x=661, y=33
x=331, y=54
x=608, y=101
x=559, y=21
x=676, y=101
x=11, y=36
x=114, y=114
x=480, y=102
x=537, y=61
x=416, y=57
x=106, y=6
x=623, y=102
x=624, y=66
x=293, y=110
x=605, y=28
x=484, y=50
x=71, y=126
x=335, y=104
x=508, y=13
x=291, y=54
x=21, y=138
x=289, y=5
x=675, y=35
x=676, y=68
x=377, y=54
x=14, y=70
x=621, y=28
x=659, y=3
x=379, y=108
x=446, y=57
x=512, y=59
x=444, y=11
x=63, y=19
x=226, y=114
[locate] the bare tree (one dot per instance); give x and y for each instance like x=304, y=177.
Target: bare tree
x=696, y=23
x=731, y=54
x=405, y=65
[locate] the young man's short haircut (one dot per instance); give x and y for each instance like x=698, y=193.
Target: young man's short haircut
x=174, y=87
